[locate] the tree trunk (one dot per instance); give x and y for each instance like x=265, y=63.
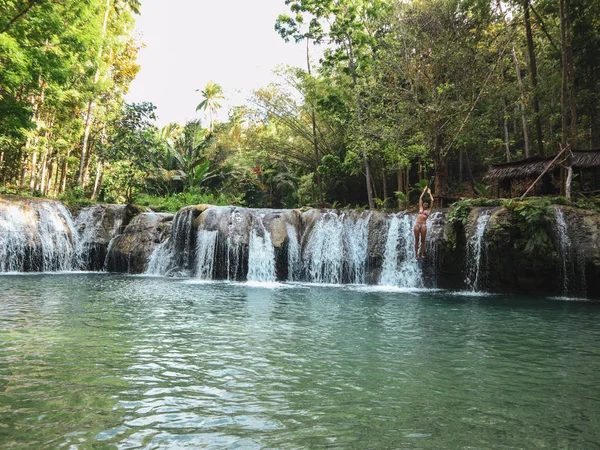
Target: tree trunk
x=42, y=181
x=352, y=64
x=88, y=117
x=384, y=184
x=63, y=178
x=571, y=77
x=506, y=140
x=97, y=181
x=33, y=172
x=441, y=176
x=460, y=166
x=522, y=104
x=56, y=177
x=521, y=89
x=534, y=80
x=400, y=185
x=314, y=132
x=565, y=173
x=49, y=181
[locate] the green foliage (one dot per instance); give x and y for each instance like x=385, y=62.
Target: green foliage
x=402, y=199
x=459, y=211
x=533, y=219
x=75, y=198
x=175, y=202
x=10, y=189
x=482, y=190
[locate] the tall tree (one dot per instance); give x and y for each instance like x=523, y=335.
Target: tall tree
x=212, y=93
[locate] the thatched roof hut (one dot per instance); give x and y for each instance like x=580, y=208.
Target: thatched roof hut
x=534, y=166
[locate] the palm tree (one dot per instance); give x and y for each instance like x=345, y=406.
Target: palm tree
x=212, y=93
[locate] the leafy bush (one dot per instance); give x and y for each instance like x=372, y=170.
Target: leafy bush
x=175, y=202
x=533, y=219
x=75, y=198
x=459, y=211
x=402, y=199
x=15, y=189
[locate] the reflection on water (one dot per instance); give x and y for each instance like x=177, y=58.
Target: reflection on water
x=93, y=360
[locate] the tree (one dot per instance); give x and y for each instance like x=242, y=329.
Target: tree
x=351, y=29
x=212, y=93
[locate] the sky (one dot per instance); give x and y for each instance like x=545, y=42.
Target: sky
x=191, y=42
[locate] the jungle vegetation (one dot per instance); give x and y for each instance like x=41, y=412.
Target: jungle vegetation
x=406, y=93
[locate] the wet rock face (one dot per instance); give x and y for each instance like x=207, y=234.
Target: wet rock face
x=378, y=230
x=560, y=255
x=234, y=226
x=96, y=226
x=130, y=251
x=581, y=264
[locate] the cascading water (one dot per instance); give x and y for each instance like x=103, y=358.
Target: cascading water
x=261, y=254
x=159, y=261
x=475, y=251
x=56, y=235
x=234, y=250
x=571, y=271
x=400, y=266
x=177, y=252
x=206, y=243
x=294, y=257
x=336, y=249
x=36, y=236
x=13, y=238
x=86, y=225
x=96, y=226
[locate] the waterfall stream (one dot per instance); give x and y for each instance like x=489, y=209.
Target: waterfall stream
x=475, y=251
x=206, y=243
x=335, y=251
x=294, y=254
x=36, y=236
x=261, y=254
x=400, y=267
x=315, y=246
x=571, y=270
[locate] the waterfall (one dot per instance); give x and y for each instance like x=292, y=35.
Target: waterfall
x=571, y=271
x=475, y=251
x=36, y=236
x=176, y=254
x=435, y=234
x=206, y=243
x=234, y=250
x=294, y=260
x=261, y=254
x=159, y=261
x=400, y=267
x=336, y=249
x=56, y=235
x=96, y=226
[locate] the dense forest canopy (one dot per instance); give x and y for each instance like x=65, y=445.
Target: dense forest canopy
x=406, y=93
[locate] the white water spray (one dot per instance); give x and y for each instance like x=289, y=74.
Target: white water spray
x=336, y=250
x=475, y=251
x=206, y=243
x=294, y=259
x=400, y=266
x=571, y=272
x=261, y=254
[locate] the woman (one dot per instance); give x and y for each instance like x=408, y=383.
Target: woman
x=421, y=225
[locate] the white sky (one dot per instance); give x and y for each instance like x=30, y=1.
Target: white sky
x=191, y=42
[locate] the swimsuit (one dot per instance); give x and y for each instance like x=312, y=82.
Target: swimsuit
x=426, y=214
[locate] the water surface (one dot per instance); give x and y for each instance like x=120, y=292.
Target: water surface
x=104, y=361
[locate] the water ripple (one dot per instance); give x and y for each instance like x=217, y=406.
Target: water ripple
x=156, y=363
